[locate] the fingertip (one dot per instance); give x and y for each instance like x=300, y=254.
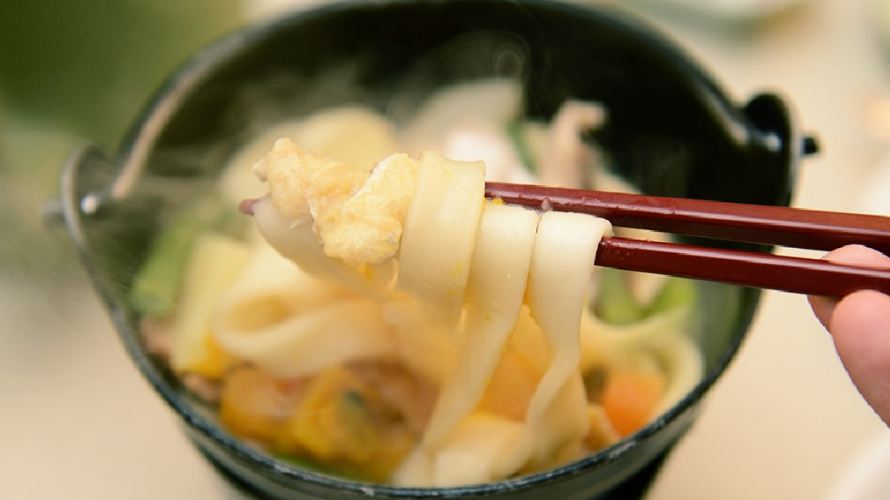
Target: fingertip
x=850, y=255
x=859, y=256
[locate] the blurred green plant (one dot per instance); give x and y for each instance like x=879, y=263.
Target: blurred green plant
x=73, y=72
x=89, y=66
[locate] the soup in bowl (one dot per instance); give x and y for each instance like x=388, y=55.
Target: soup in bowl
x=371, y=325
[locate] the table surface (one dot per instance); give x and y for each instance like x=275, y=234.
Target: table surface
x=77, y=421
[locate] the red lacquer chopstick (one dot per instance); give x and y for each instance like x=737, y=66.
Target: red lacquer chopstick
x=760, y=270
x=782, y=226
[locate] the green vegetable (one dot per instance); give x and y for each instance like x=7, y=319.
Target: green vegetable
x=517, y=137
x=615, y=302
x=156, y=286
x=676, y=292
x=313, y=466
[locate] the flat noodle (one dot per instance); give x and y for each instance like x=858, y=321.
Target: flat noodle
x=428, y=348
x=684, y=366
x=640, y=333
x=284, y=320
x=356, y=135
x=434, y=262
x=495, y=290
x=562, y=265
x=484, y=447
x=299, y=244
x=439, y=235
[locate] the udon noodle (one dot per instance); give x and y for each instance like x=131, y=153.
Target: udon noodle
x=384, y=321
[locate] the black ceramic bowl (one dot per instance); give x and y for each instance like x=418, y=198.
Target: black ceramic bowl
x=671, y=131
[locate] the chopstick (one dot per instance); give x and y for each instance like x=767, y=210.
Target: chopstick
x=752, y=269
x=782, y=226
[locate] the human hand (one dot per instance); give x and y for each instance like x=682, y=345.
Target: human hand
x=860, y=326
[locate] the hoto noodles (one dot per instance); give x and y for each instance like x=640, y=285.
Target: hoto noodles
x=384, y=321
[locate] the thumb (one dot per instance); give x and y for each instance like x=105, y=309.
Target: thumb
x=860, y=327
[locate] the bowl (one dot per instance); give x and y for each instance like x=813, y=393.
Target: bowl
x=672, y=130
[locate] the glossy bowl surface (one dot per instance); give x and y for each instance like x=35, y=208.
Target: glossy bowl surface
x=671, y=131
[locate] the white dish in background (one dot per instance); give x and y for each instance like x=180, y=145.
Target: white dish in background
x=729, y=9
x=867, y=475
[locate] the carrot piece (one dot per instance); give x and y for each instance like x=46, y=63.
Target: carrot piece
x=254, y=404
x=630, y=397
x=511, y=387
